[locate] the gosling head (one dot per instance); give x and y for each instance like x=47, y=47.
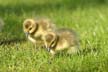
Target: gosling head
x=29, y=26
x=50, y=40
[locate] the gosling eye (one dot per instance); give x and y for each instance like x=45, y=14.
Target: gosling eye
x=30, y=28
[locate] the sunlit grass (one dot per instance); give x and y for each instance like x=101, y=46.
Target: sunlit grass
x=87, y=18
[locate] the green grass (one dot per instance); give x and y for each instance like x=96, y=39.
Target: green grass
x=89, y=18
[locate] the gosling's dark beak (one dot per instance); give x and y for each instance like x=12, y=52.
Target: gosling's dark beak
x=26, y=34
x=48, y=49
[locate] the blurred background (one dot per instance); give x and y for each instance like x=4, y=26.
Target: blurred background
x=89, y=18
x=82, y=15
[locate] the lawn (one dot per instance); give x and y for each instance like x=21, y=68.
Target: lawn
x=89, y=18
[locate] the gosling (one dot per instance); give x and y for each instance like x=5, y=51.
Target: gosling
x=61, y=39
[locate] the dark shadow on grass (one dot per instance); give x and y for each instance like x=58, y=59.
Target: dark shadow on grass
x=19, y=9
x=11, y=41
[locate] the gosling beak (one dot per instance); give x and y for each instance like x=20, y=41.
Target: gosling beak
x=48, y=49
x=26, y=34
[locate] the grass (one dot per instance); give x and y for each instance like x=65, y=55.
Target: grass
x=87, y=17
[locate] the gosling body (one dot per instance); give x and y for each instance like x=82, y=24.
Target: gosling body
x=35, y=29
x=60, y=40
